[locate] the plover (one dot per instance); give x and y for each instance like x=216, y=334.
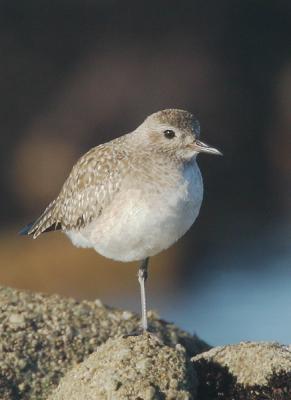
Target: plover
x=133, y=196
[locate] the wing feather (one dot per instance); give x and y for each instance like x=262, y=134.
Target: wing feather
x=90, y=187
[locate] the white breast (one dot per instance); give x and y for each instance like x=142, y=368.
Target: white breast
x=140, y=223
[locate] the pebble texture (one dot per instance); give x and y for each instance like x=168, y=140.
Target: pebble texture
x=136, y=367
x=43, y=336
x=245, y=371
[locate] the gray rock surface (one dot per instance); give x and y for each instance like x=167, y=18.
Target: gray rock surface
x=247, y=370
x=136, y=367
x=43, y=336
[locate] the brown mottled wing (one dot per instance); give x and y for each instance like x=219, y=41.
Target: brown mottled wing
x=90, y=187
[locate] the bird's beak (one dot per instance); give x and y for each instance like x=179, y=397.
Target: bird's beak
x=201, y=147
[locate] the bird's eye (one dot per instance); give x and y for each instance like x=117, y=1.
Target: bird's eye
x=169, y=134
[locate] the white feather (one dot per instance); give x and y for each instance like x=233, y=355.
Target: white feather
x=140, y=223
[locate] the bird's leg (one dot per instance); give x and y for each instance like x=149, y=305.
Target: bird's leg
x=142, y=277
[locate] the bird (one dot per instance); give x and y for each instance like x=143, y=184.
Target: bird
x=134, y=196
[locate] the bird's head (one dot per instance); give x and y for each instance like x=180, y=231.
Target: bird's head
x=175, y=132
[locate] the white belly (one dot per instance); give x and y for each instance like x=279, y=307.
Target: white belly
x=140, y=223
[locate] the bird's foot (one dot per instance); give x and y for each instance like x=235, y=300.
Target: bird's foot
x=136, y=332
x=141, y=331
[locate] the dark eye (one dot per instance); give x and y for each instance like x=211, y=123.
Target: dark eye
x=169, y=134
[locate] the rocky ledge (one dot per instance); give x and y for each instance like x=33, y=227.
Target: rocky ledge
x=42, y=337
x=58, y=348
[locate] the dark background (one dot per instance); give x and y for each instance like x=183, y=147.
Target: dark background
x=75, y=74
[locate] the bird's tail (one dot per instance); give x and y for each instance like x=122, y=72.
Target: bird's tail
x=44, y=223
x=25, y=230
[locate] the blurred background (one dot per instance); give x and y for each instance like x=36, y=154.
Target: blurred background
x=74, y=74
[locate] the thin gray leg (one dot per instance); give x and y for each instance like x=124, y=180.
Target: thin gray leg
x=142, y=277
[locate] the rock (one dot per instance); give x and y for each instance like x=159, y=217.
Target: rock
x=136, y=367
x=248, y=371
x=43, y=336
